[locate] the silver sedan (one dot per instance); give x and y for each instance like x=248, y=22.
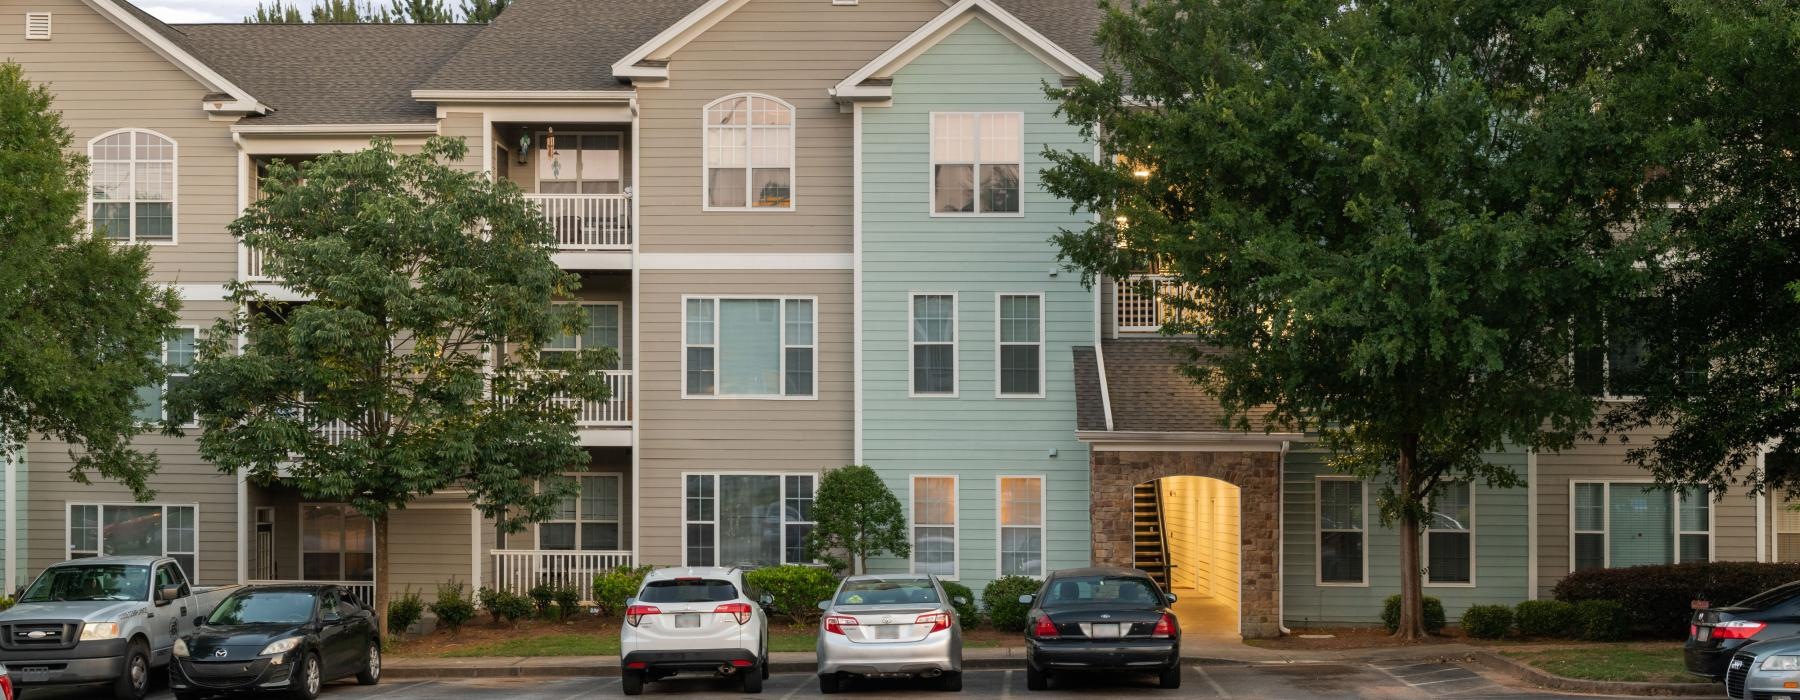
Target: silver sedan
x=885, y=626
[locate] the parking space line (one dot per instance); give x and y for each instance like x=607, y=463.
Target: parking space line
x=1006, y=685
x=392, y=689
x=1449, y=680
x=1409, y=677
x=1209, y=681
x=795, y=691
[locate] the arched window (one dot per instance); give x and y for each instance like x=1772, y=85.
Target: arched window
x=749, y=153
x=131, y=194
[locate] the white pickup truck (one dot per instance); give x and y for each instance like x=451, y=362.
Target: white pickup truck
x=101, y=620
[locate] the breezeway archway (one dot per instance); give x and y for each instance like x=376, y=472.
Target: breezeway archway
x=1186, y=533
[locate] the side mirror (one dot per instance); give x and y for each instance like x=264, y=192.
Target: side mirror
x=631, y=601
x=766, y=600
x=1026, y=599
x=824, y=605
x=168, y=594
x=959, y=600
x=1171, y=598
x=200, y=621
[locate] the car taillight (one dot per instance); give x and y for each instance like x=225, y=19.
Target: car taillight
x=1737, y=629
x=636, y=613
x=1165, y=628
x=835, y=624
x=1044, y=629
x=1693, y=631
x=739, y=610
x=938, y=621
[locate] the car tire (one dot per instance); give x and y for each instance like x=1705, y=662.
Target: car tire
x=371, y=673
x=1169, y=678
x=765, y=667
x=1035, y=679
x=632, y=682
x=179, y=695
x=829, y=683
x=309, y=678
x=752, y=680
x=950, y=682
x=133, y=682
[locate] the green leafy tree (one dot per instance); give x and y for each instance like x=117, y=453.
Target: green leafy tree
x=414, y=367
x=367, y=12
x=482, y=11
x=855, y=514
x=80, y=321
x=1391, y=214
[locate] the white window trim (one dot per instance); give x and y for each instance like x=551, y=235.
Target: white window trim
x=537, y=183
x=1319, y=532
x=163, y=410
x=300, y=541
x=1042, y=341
x=100, y=529
x=619, y=520
x=619, y=315
x=1468, y=527
x=175, y=187
x=1712, y=522
x=912, y=524
x=1043, y=525
x=931, y=168
x=782, y=300
x=912, y=299
x=781, y=499
x=749, y=166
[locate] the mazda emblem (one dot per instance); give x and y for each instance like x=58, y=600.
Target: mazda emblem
x=220, y=652
x=1105, y=616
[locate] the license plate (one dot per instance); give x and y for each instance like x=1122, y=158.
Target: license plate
x=33, y=675
x=887, y=631
x=1704, y=634
x=1105, y=631
x=687, y=620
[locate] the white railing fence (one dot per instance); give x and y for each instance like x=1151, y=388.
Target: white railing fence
x=614, y=411
x=1141, y=303
x=587, y=221
x=518, y=570
x=363, y=590
x=254, y=259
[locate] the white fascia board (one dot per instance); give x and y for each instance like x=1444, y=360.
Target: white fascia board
x=243, y=101
x=900, y=54
x=673, y=38
x=443, y=96
x=421, y=128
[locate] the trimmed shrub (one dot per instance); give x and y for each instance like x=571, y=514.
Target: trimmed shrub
x=404, y=611
x=1601, y=620
x=615, y=586
x=1657, y=599
x=451, y=608
x=1434, y=614
x=490, y=600
x=796, y=589
x=6, y=602
x=968, y=612
x=1001, y=601
x=1545, y=618
x=568, y=601
x=1487, y=621
x=512, y=607
x=541, y=595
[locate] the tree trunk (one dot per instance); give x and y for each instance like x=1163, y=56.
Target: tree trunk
x=381, y=578
x=1412, y=591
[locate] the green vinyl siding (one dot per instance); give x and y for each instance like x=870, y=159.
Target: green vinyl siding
x=972, y=435
x=1499, y=540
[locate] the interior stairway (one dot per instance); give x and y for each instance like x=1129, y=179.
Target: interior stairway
x=1150, y=552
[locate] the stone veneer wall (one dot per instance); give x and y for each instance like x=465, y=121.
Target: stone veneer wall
x=1258, y=474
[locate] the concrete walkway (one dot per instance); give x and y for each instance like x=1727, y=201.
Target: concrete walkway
x=1206, y=618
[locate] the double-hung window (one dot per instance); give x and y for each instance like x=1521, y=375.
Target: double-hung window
x=132, y=189
x=135, y=529
x=749, y=153
x=1020, y=350
x=977, y=159
x=749, y=348
x=1610, y=361
x=337, y=543
x=933, y=331
x=178, y=361
x=588, y=520
x=1450, y=535
x=747, y=519
x=934, y=525
x=600, y=329
x=1021, y=526
x=1342, y=530
x=1621, y=524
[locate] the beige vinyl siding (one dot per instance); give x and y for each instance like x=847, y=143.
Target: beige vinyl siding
x=183, y=479
x=103, y=79
x=428, y=545
x=466, y=126
x=1734, y=518
x=789, y=49
x=732, y=435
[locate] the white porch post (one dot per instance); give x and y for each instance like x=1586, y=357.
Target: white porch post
x=243, y=527
x=12, y=519
x=474, y=548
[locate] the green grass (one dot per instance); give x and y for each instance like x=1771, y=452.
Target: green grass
x=565, y=644
x=1636, y=663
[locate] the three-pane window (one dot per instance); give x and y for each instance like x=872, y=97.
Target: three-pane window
x=600, y=329
x=747, y=519
x=749, y=347
x=178, y=362
x=977, y=159
x=1021, y=346
x=588, y=520
x=135, y=529
x=933, y=344
x=1021, y=526
x=1450, y=535
x=749, y=153
x=934, y=525
x=1341, y=531
x=1632, y=524
x=132, y=188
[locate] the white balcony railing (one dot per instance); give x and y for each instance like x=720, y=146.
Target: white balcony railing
x=518, y=570
x=363, y=590
x=614, y=411
x=253, y=263
x=587, y=221
x=1141, y=303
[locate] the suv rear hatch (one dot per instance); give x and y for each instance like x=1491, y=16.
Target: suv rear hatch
x=689, y=613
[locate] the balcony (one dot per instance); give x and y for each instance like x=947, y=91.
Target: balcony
x=587, y=222
x=614, y=412
x=1142, y=303
x=518, y=570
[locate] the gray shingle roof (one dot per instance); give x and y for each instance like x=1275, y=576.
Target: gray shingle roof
x=557, y=45
x=1150, y=394
x=1090, y=408
x=1069, y=23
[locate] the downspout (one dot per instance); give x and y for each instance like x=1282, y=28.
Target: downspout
x=11, y=458
x=1280, y=544
x=856, y=283
x=1531, y=525
x=637, y=416
x=1762, y=512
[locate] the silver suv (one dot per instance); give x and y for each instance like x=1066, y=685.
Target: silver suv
x=884, y=626
x=694, y=619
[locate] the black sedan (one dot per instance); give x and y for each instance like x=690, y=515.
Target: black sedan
x=288, y=638
x=1717, y=633
x=1101, y=619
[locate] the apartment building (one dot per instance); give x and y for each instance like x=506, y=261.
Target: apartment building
x=815, y=232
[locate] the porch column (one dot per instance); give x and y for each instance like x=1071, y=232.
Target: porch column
x=243, y=527
x=12, y=520
x=474, y=548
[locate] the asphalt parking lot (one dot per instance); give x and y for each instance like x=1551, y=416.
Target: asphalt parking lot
x=1396, y=680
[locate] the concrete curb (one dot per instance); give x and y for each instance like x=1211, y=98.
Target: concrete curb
x=1542, y=679
x=608, y=666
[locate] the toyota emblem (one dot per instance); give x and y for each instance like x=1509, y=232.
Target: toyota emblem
x=220, y=652
x=887, y=620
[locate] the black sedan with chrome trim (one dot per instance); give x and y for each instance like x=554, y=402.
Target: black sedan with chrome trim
x=1101, y=619
x=288, y=638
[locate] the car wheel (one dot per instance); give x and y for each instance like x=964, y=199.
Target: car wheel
x=133, y=683
x=752, y=680
x=1035, y=679
x=371, y=673
x=829, y=683
x=632, y=682
x=308, y=678
x=765, y=667
x=1170, y=678
x=179, y=695
x=950, y=682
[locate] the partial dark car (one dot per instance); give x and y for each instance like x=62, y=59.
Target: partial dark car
x=1109, y=620
x=291, y=639
x=1717, y=633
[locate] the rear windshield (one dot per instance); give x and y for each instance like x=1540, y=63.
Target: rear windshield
x=887, y=592
x=264, y=608
x=689, y=590
x=1770, y=598
x=1127, y=591
x=91, y=582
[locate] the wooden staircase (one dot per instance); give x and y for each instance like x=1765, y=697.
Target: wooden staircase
x=1150, y=551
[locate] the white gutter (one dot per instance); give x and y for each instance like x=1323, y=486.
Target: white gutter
x=421, y=128
x=523, y=95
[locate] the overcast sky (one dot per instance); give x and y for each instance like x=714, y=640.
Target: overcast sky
x=200, y=10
